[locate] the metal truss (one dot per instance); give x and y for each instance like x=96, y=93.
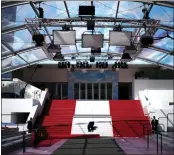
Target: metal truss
x=161, y=3
x=101, y=21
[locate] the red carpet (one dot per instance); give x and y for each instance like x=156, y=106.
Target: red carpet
x=59, y=121
x=128, y=118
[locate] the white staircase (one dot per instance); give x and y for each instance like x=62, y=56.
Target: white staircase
x=103, y=124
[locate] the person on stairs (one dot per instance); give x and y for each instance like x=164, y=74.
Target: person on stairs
x=91, y=126
x=154, y=124
x=30, y=125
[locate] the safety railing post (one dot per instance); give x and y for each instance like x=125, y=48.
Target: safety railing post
x=23, y=142
x=161, y=144
x=157, y=142
x=147, y=138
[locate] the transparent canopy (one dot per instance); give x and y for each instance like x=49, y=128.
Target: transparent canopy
x=17, y=37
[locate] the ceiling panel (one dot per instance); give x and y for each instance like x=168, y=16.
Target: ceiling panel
x=12, y=62
x=34, y=55
x=151, y=54
x=54, y=9
x=168, y=60
x=15, y=16
x=132, y=10
x=166, y=43
x=105, y=8
x=164, y=14
x=18, y=40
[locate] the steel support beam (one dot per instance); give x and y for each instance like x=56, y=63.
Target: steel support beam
x=12, y=3
x=168, y=28
x=37, y=14
x=161, y=3
x=19, y=51
x=19, y=67
x=14, y=29
x=6, y=45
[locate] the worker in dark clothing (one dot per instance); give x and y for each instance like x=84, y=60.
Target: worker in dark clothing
x=30, y=125
x=91, y=126
x=154, y=124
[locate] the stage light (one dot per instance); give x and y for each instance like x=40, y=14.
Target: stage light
x=126, y=57
x=146, y=41
x=39, y=39
x=58, y=57
x=90, y=24
x=86, y=10
x=64, y=64
x=92, y=59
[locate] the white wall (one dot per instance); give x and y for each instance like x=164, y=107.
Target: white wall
x=17, y=85
x=92, y=108
x=155, y=95
x=33, y=106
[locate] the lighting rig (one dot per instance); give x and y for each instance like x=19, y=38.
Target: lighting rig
x=101, y=64
x=63, y=65
x=83, y=65
x=119, y=65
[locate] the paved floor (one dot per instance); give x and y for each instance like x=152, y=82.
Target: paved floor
x=89, y=147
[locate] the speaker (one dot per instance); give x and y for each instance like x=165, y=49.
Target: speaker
x=86, y=10
x=95, y=50
x=90, y=24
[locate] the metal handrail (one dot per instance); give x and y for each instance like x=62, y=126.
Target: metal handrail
x=168, y=119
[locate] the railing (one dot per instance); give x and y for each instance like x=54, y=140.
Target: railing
x=146, y=131
x=168, y=119
x=4, y=123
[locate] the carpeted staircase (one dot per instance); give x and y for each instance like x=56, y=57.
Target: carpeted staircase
x=59, y=121
x=128, y=118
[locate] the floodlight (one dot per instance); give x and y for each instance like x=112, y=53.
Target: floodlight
x=64, y=37
x=126, y=57
x=119, y=38
x=86, y=10
x=92, y=40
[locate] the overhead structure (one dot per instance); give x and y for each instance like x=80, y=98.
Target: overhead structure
x=112, y=31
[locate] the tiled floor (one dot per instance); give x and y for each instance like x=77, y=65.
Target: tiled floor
x=138, y=146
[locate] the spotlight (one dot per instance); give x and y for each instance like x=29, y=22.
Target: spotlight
x=65, y=28
x=146, y=41
x=58, y=57
x=92, y=59
x=126, y=57
x=39, y=39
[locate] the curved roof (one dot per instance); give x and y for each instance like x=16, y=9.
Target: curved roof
x=17, y=38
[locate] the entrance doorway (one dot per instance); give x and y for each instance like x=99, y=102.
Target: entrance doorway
x=124, y=91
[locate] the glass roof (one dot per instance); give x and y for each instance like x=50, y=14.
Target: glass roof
x=20, y=39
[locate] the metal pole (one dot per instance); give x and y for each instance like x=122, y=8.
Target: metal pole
x=147, y=139
x=24, y=147
x=157, y=142
x=161, y=144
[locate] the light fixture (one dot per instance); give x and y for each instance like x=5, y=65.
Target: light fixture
x=63, y=65
x=126, y=57
x=39, y=39
x=83, y=65
x=92, y=58
x=101, y=64
x=58, y=57
x=54, y=48
x=146, y=41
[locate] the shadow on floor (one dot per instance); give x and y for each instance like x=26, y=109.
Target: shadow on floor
x=89, y=147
